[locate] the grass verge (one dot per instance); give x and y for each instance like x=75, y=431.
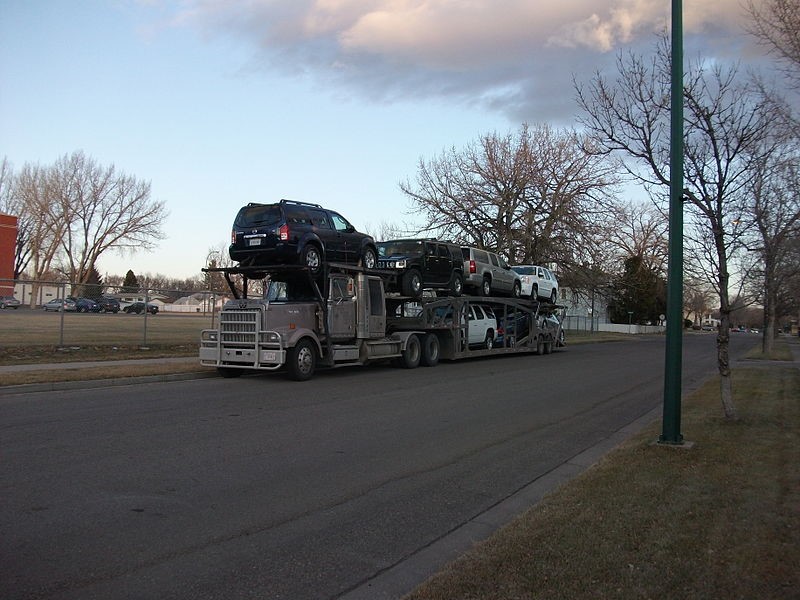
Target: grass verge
x=780, y=351
x=104, y=372
x=719, y=520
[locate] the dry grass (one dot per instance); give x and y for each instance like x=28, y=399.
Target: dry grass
x=104, y=372
x=720, y=520
x=780, y=351
x=25, y=328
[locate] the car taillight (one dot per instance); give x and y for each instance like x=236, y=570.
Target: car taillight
x=283, y=233
x=233, y=236
x=472, y=267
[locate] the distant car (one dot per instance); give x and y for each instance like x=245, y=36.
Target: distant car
x=488, y=274
x=538, y=282
x=108, y=304
x=85, y=305
x=290, y=232
x=57, y=304
x=9, y=302
x=138, y=308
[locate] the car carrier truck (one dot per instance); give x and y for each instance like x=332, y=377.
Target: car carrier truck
x=345, y=318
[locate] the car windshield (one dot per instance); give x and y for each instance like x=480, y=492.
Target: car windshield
x=399, y=248
x=251, y=216
x=524, y=270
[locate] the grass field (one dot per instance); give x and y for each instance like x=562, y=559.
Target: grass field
x=35, y=336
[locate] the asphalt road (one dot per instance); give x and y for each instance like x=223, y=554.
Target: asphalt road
x=260, y=487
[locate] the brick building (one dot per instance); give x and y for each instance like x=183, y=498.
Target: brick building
x=8, y=242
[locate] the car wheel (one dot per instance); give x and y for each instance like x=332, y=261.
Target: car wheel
x=534, y=292
x=369, y=259
x=412, y=284
x=540, y=345
x=486, y=287
x=457, y=285
x=413, y=353
x=312, y=258
x=301, y=360
x=2, y=306
x=488, y=343
x=516, y=290
x=430, y=350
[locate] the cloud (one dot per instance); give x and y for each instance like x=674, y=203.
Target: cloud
x=516, y=56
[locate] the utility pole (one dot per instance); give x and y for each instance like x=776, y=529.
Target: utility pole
x=671, y=426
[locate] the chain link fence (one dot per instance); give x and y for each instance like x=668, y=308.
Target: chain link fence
x=61, y=313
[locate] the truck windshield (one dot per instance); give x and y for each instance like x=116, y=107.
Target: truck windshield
x=399, y=248
x=290, y=291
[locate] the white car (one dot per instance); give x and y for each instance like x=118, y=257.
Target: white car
x=480, y=320
x=538, y=282
x=482, y=325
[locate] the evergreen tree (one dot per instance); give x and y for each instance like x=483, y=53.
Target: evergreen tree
x=639, y=290
x=131, y=284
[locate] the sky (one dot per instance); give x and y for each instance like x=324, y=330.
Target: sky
x=218, y=103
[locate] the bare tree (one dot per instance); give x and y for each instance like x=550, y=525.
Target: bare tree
x=726, y=125
x=104, y=209
x=533, y=197
x=775, y=213
x=776, y=23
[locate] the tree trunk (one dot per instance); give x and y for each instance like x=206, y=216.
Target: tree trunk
x=723, y=360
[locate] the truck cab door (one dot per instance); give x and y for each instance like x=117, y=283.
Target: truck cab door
x=341, y=308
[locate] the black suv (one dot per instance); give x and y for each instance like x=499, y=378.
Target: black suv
x=423, y=263
x=290, y=232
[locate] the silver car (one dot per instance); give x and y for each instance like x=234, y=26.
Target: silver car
x=488, y=274
x=57, y=304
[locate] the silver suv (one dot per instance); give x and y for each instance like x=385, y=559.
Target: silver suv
x=488, y=274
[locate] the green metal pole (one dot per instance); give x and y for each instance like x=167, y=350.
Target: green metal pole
x=671, y=428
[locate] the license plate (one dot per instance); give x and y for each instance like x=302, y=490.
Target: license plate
x=254, y=242
x=270, y=357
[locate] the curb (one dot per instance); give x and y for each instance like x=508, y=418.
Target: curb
x=101, y=383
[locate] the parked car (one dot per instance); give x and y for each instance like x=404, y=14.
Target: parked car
x=553, y=322
x=9, y=302
x=481, y=321
x=538, y=282
x=290, y=232
x=511, y=327
x=108, y=304
x=482, y=326
x=138, y=308
x=57, y=304
x=488, y=274
x=85, y=305
x=421, y=264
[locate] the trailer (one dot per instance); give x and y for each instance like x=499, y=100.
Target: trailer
x=346, y=318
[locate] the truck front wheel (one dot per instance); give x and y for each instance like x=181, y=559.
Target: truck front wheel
x=301, y=360
x=413, y=353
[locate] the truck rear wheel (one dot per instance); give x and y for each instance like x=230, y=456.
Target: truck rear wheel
x=301, y=360
x=430, y=350
x=413, y=353
x=540, y=345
